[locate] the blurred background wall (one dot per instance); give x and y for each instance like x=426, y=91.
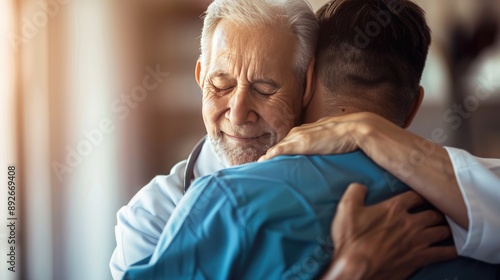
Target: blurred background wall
x=84, y=133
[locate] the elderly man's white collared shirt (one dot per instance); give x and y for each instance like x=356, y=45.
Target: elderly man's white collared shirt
x=479, y=181
x=141, y=222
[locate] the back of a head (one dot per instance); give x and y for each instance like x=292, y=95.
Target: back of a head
x=295, y=15
x=372, y=52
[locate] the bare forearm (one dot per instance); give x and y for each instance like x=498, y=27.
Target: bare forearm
x=421, y=164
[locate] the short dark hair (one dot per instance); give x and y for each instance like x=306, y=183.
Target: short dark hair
x=366, y=44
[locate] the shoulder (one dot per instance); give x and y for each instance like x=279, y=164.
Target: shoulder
x=296, y=166
x=277, y=167
x=251, y=186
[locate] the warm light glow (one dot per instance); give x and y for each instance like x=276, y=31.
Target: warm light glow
x=7, y=132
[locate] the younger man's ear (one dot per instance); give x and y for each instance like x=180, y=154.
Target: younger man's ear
x=310, y=83
x=414, y=108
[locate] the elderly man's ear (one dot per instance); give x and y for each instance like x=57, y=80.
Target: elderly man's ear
x=310, y=84
x=415, y=107
x=197, y=73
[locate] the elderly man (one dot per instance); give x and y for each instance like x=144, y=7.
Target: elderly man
x=255, y=71
x=266, y=220
x=246, y=107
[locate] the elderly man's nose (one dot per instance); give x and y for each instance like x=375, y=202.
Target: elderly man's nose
x=241, y=108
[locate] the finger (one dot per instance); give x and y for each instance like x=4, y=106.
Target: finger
x=355, y=194
x=428, y=218
x=435, y=234
x=265, y=157
x=407, y=200
x=438, y=254
x=268, y=155
x=285, y=147
x=273, y=152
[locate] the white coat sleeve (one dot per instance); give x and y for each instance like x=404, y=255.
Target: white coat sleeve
x=141, y=222
x=479, y=182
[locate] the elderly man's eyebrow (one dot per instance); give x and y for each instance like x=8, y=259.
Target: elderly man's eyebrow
x=222, y=74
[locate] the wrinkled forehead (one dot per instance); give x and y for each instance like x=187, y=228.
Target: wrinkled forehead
x=259, y=50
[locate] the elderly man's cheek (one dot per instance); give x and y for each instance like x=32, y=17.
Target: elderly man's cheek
x=284, y=119
x=213, y=104
x=212, y=109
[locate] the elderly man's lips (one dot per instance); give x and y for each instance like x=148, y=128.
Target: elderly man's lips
x=244, y=139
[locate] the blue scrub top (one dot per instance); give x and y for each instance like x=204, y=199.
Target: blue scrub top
x=271, y=220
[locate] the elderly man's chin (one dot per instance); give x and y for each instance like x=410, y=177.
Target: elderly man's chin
x=232, y=152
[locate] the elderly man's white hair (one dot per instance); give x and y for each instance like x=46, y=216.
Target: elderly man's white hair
x=297, y=15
